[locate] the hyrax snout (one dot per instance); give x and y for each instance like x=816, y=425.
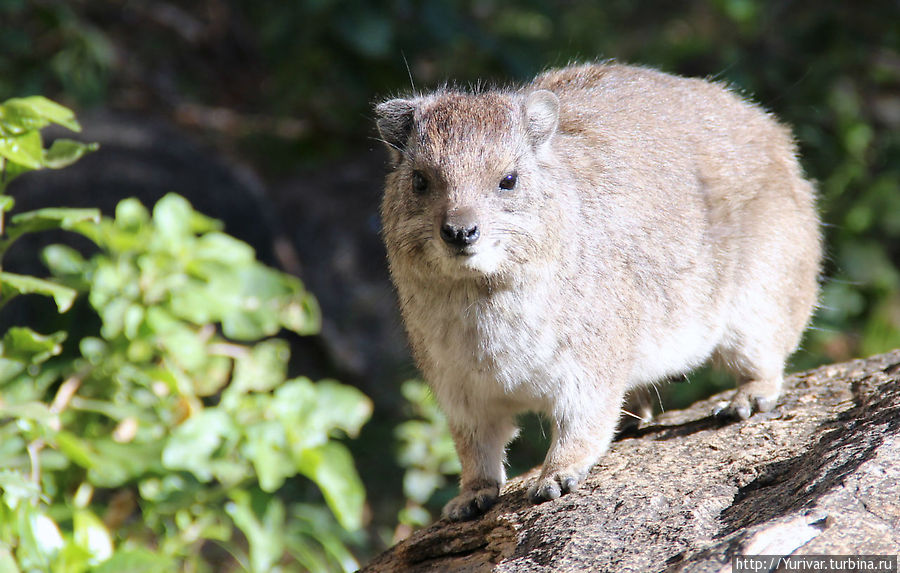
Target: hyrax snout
x=602, y=228
x=459, y=228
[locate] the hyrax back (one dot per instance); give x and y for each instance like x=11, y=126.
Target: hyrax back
x=602, y=228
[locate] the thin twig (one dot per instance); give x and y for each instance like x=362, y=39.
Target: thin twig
x=66, y=390
x=235, y=351
x=34, y=450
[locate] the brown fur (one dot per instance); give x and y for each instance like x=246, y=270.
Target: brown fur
x=655, y=222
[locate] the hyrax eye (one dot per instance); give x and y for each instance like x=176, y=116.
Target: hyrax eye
x=509, y=181
x=419, y=182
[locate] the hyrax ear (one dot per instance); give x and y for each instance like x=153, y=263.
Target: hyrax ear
x=542, y=114
x=395, y=123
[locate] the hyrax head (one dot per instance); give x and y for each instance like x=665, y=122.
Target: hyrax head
x=464, y=198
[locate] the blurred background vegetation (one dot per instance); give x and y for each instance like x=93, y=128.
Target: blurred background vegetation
x=287, y=88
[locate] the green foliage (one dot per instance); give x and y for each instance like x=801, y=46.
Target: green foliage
x=861, y=303
x=426, y=451
x=134, y=441
x=21, y=120
x=22, y=150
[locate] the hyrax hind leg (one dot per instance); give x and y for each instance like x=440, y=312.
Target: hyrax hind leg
x=770, y=313
x=760, y=376
x=753, y=395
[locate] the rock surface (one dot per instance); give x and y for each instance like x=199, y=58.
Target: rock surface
x=818, y=475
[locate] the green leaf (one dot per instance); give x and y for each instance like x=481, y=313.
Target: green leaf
x=258, y=293
x=197, y=302
x=174, y=217
x=26, y=149
x=331, y=467
x=262, y=369
x=17, y=117
x=25, y=345
x=294, y=403
x=307, y=552
x=49, y=218
x=266, y=448
x=35, y=112
x=91, y=534
x=194, y=445
x=186, y=346
x=29, y=411
x=264, y=536
x=55, y=218
x=115, y=464
x=7, y=563
x=418, y=485
x=317, y=522
x=72, y=559
x=136, y=560
x=113, y=315
x=64, y=261
x=17, y=488
x=297, y=405
x=65, y=152
x=301, y=314
x=414, y=515
x=75, y=449
x=213, y=376
x=348, y=408
x=9, y=172
x=134, y=318
x=224, y=249
x=93, y=349
x=12, y=285
x=6, y=203
x=131, y=214
x=40, y=539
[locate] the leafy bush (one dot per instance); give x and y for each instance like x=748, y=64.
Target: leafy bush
x=426, y=451
x=157, y=426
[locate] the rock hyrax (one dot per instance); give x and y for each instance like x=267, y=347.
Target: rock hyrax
x=601, y=228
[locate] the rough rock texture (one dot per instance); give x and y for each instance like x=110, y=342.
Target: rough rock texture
x=818, y=475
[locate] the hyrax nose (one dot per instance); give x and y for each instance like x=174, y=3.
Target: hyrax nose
x=460, y=229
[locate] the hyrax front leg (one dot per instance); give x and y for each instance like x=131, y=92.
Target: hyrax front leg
x=481, y=448
x=579, y=439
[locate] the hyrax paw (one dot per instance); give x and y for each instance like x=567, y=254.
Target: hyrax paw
x=471, y=503
x=553, y=486
x=748, y=399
